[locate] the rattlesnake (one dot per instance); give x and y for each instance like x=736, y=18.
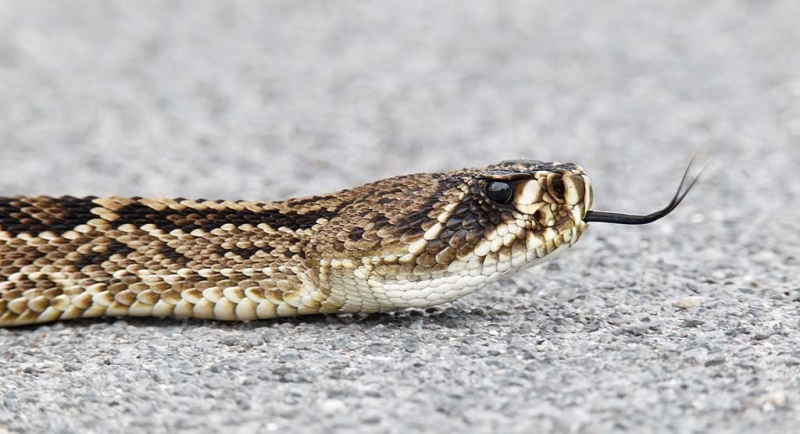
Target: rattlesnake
x=409, y=241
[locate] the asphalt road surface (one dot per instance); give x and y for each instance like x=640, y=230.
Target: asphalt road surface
x=688, y=325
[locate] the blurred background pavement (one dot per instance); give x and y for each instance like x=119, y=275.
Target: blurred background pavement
x=687, y=325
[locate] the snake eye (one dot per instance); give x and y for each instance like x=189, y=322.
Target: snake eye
x=498, y=191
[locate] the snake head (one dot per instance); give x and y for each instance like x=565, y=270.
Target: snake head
x=476, y=221
x=424, y=239
x=528, y=210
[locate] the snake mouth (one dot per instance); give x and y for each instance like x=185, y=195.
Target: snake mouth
x=630, y=219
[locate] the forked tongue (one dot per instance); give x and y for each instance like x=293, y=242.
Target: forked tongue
x=629, y=219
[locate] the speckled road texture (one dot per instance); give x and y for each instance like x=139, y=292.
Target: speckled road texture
x=689, y=325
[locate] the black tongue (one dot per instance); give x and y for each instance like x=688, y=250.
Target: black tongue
x=629, y=219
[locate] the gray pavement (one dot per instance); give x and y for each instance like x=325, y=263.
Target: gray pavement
x=689, y=325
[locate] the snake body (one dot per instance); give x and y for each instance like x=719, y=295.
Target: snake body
x=409, y=241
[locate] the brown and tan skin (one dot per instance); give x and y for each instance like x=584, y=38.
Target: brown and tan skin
x=415, y=240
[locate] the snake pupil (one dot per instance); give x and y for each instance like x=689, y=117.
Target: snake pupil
x=499, y=192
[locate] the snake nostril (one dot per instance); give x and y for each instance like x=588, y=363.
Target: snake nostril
x=558, y=188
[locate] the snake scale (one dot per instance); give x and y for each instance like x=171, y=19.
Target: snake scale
x=409, y=241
